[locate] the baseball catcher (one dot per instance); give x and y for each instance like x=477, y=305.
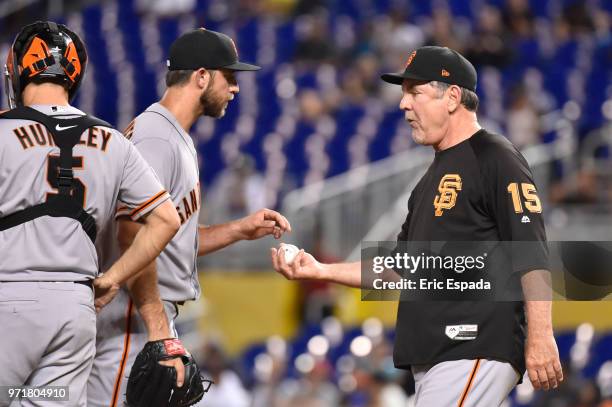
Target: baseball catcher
x=152, y=384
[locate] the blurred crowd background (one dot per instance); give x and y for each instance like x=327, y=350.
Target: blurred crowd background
x=318, y=136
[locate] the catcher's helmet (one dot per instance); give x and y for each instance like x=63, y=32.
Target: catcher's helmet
x=44, y=52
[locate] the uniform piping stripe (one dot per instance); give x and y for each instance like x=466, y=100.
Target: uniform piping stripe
x=469, y=384
x=124, y=355
x=147, y=203
x=122, y=212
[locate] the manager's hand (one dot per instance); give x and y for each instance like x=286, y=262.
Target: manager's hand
x=542, y=360
x=303, y=267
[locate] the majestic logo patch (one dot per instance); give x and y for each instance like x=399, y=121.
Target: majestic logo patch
x=410, y=58
x=449, y=186
x=525, y=219
x=461, y=332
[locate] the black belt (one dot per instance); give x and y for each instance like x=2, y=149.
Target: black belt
x=88, y=283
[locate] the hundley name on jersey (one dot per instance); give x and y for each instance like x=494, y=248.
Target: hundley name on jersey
x=38, y=135
x=189, y=204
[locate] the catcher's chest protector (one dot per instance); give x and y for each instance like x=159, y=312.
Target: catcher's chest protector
x=66, y=134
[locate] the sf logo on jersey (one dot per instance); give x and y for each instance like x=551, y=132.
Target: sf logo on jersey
x=449, y=186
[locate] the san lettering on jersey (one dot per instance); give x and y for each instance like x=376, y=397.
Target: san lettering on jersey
x=189, y=204
x=37, y=135
x=129, y=130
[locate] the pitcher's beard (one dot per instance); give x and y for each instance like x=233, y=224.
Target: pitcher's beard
x=214, y=105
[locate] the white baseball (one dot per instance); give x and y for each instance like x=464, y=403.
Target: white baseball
x=290, y=252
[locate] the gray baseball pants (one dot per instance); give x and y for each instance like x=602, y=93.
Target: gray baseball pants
x=464, y=383
x=121, y=336
x=48, y=338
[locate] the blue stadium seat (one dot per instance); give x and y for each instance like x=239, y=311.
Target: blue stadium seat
x=555, y=70
x=601, y=352
x=565, y=341
x=347, y=118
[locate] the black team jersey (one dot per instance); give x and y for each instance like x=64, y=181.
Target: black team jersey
x=478, y=190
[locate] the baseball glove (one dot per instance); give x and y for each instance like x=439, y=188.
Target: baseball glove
x=153, y=385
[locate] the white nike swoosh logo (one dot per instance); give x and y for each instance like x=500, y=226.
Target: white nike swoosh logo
x=60, y=128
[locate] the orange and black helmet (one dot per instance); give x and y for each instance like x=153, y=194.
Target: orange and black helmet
x=45, y=52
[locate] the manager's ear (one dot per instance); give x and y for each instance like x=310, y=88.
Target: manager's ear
x=454, y=98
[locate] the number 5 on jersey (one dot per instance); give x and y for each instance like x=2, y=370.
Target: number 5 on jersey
x=78, y=188
x=529, y=197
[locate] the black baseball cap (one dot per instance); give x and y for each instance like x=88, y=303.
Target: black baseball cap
x=436, y=64
x=208, y=49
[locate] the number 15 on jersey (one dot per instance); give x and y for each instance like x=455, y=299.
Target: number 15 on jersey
x=529, y=197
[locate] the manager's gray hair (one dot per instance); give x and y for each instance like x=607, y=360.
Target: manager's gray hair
x=469, y=99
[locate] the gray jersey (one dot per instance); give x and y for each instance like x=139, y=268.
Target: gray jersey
x=108, y=168
x=170, y=151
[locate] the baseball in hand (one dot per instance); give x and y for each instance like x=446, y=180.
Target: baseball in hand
x=290, y=252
